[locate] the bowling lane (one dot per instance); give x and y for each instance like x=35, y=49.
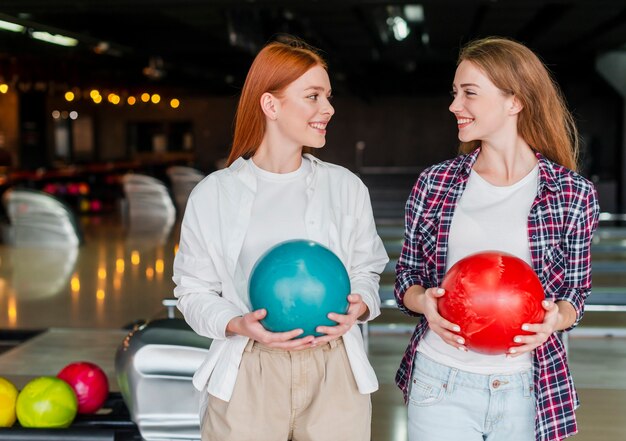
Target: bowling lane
x=112, y=280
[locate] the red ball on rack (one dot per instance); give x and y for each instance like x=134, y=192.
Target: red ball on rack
x=90, y=384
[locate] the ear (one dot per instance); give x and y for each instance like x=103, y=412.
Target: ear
x=516, y=106
x=269, y=105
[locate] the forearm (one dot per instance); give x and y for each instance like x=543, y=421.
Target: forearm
x=414, y=298
x=567, y=315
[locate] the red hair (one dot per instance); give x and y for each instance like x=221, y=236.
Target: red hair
x=276, y=66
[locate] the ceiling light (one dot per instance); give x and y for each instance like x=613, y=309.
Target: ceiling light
x=399, y=27
x=59, y=39
x=8, y=26
x=414, y=13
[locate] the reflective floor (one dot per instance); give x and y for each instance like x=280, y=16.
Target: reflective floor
x=85, y=296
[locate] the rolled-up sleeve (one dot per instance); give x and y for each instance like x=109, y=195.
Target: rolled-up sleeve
x=198, y=284
x=369, y=257
x=577, y=248
x=410, y=268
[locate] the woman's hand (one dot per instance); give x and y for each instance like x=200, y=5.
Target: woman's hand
x=249, y=325
x=439, y=325
x=356, y=309
x=541, y=331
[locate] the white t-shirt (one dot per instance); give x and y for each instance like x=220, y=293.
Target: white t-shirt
x=487, y=217
x=278, y=212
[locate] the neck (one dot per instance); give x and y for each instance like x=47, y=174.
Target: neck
x=505, y=164
x=276, y=160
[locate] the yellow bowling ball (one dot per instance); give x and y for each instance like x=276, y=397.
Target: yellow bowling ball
x=8, y=397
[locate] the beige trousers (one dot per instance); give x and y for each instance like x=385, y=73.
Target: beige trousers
x=308, y=395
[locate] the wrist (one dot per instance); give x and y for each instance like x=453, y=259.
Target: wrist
x=234, y=326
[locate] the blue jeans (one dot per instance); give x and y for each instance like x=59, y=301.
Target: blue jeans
x=447, y=404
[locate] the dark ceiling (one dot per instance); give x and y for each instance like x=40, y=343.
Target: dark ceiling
x=207, y=46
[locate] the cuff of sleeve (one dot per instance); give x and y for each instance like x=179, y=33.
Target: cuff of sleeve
x=370, y=299
x=577, y=300
x=223, y=319
x=401, y=286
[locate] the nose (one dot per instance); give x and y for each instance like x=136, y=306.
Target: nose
x=455, y=105
x=328, y=108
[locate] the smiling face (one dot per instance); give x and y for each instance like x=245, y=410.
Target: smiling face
x=483, y=111
x=304, y=109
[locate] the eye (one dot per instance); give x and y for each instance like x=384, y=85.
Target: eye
x=453, y=93
x=313, y=97
x=330, y=97
x=470, y=92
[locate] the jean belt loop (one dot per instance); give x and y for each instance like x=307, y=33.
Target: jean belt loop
x=333, y=343
x=526, y=381
x=249, y=345
x=451, y=378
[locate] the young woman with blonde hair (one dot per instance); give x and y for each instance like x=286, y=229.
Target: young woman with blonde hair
x=261, y=385
x=515, y=189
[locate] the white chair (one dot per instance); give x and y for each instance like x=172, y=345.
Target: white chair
x=39, y=219
x=150, y=205
x=183, y=180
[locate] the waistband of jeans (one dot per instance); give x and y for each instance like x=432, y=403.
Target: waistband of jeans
x=426, y=366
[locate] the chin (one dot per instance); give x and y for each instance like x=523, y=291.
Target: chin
x=317, y=145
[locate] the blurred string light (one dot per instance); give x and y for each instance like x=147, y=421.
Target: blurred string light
x=113, y=98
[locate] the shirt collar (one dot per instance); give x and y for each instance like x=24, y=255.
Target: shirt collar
x=548, y=179
x=243, y=170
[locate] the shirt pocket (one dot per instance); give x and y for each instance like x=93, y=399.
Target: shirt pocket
x=342, y=236
x=553, y=271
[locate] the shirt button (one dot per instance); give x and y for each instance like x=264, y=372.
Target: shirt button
x=534, y=236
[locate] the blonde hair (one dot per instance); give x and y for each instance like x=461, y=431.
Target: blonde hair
x=544, y=123
x=274, y=68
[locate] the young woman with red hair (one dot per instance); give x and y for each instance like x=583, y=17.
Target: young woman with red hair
x=260, y=385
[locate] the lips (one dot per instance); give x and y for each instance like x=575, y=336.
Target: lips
x=464, y=122
x=319, y=126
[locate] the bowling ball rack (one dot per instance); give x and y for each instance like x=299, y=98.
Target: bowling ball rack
x=111, y=423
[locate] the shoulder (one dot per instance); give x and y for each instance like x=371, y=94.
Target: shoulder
x=215, y=183
x=444, y=174
x=570, y=183
x=335, y=173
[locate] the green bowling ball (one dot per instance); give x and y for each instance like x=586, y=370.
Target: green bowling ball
x=46, y=402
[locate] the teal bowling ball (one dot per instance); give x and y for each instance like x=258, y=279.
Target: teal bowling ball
x=299, y=282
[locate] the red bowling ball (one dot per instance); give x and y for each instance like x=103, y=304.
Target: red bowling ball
x=90, y=384
x=490, y=295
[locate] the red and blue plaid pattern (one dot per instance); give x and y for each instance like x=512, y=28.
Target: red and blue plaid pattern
x=561, y=223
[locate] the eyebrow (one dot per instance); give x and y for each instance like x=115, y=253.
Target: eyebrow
x=469, y=85
x=317, y=88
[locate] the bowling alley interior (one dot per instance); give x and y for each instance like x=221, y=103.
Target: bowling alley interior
x=112, y=112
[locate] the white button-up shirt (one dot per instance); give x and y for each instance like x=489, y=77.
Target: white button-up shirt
x=211, y=290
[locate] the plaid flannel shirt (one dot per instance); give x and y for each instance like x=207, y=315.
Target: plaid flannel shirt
x=561, y=223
